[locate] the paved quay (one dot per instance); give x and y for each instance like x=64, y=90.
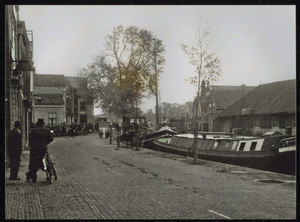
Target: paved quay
x=98, y=181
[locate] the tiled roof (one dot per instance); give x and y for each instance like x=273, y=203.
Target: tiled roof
x=75, y=83
x=49, y=80
x=48, y=90
x=232, y=88
x=224, y=98
x=272, y=98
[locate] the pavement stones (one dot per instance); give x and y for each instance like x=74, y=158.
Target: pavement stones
x=95, y=181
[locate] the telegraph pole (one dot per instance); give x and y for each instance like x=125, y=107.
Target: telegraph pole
x=156, y=90
x=196, y=130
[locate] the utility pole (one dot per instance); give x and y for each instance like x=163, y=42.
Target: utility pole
x=156, y=90
x=196, y=130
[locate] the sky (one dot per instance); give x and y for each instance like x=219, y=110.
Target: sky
x=255, y=44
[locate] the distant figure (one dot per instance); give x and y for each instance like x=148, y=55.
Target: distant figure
x=14, y=150
x=149, y=124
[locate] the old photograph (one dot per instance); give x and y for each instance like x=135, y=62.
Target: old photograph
x=159, y=112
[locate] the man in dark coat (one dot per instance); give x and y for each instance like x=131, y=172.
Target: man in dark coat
x=14, y=150
x=39, y=138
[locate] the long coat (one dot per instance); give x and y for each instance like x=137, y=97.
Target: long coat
x=39, y=138
x=14, y=144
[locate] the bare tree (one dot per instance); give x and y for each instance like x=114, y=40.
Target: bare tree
x=207, y=67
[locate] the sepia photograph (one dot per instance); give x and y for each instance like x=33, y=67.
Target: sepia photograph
x=159, y=112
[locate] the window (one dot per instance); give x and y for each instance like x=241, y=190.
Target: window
x=82, y=106
x=52, y=118
x=242, y=146
x=253, y=145
x=275, y=122
x=12, y=39
x=234, y=145
x=256, y=122
x=288, y=123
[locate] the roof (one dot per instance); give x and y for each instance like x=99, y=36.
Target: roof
x=75, y=83
x=232, y=88
x=224, y=98
x=48, y=90
x=49, y=80
x=271, y=98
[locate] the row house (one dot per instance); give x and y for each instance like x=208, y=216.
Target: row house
x=83, y=107
x=59, y=100
x=53, y=99
x=267, y=108
x=213, y=100
x=18, y=72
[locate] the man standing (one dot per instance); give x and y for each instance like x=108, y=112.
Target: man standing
x=14, y=150
x=39, y=138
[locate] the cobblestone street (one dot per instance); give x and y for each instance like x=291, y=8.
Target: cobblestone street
x=98, y=181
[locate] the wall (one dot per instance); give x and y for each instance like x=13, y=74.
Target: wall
x=42, y=112
x=246, y=122
x=89, y=112
x=226, y=125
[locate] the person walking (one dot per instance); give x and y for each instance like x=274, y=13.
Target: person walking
x=14, y=150
x=39, y=138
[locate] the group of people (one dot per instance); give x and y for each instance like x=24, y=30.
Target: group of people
x=39, y=138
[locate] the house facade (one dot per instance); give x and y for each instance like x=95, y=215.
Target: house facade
x=213, y=100
x=53, y=99
x=83, y=110
x=269, y=107
x=18, y=72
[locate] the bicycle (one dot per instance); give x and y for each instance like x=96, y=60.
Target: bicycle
x=49, y=168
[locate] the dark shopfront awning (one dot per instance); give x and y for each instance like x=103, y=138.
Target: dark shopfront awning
x=25, y=64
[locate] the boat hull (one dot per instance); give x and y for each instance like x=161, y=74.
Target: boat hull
x=268, y=160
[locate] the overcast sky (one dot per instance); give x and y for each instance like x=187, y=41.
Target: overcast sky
x=256, y=44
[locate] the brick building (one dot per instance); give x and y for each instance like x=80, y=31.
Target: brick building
x=269, y=107
x=214, y=99
x=83, y=107
x=54, y=99
x=18, y=72
x=60, y=99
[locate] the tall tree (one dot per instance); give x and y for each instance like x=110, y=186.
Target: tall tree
x=206, y=63
x=124, y=72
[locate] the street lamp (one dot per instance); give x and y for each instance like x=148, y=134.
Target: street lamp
x=24, y=64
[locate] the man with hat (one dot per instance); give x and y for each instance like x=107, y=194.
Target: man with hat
x=14, y=150
x=39, y=138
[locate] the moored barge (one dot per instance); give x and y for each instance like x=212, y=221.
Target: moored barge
x=270, y=153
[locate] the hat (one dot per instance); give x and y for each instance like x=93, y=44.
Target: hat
x=17, y=123
x=40, y=122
